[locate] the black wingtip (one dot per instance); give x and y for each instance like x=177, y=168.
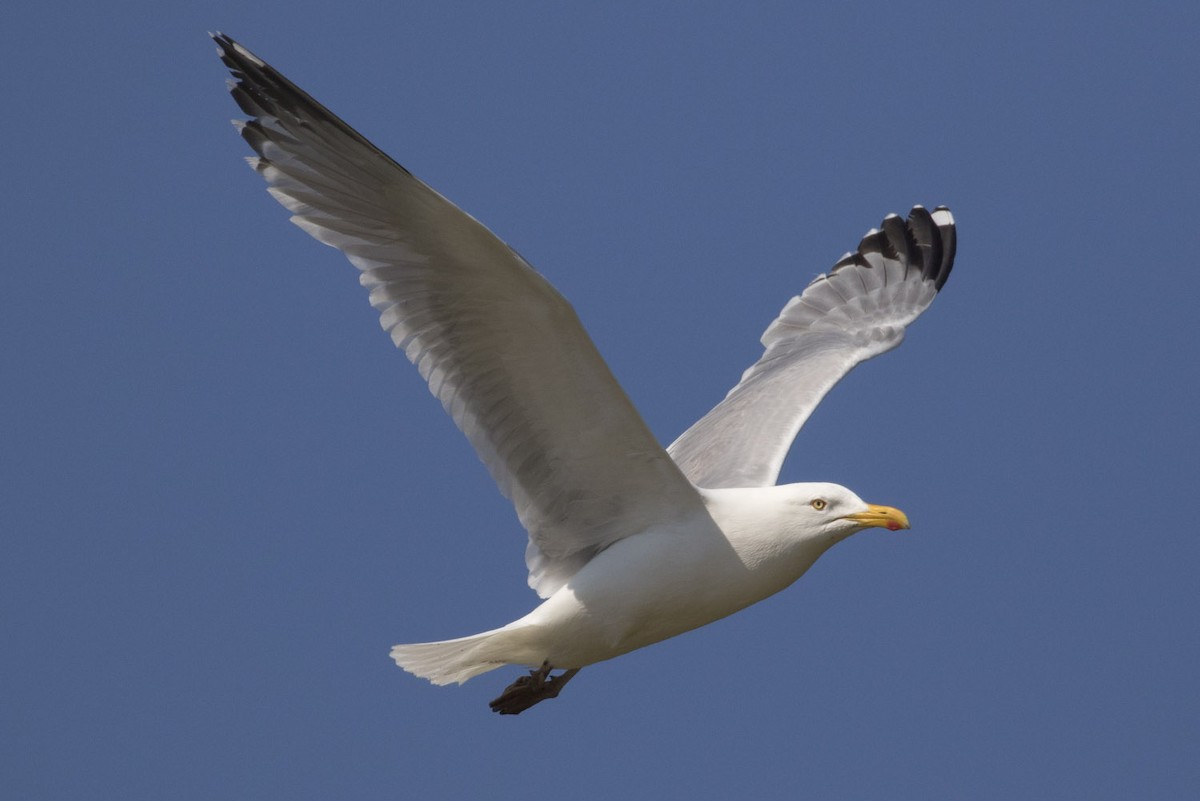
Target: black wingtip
x=928, y=240
x=925, y=241
x=226, y=46
x=900, y=238
x=261, y=91
x=949, y=235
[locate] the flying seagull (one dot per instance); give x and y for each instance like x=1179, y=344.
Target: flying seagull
x=629, y=543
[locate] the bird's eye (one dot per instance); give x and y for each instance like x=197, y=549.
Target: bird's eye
x=819, y=504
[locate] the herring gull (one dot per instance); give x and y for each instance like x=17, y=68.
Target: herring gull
x=629, y=542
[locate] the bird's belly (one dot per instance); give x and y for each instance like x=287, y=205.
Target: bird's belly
x=648, y=588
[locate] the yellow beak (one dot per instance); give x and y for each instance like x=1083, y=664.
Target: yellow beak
x=882, y=516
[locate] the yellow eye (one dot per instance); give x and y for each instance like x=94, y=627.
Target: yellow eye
x=819, y=504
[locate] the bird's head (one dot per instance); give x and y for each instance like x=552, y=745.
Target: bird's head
x=834, y=512
x=803, y=520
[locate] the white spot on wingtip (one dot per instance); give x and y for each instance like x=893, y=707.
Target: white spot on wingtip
x=258, y=62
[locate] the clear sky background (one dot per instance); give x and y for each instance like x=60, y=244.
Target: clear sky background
x=224, y=495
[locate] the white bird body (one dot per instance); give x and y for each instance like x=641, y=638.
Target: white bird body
x=748, y=544
x=630, y=543
x=675, y=578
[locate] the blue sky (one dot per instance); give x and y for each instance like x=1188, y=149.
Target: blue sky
x=225, y=495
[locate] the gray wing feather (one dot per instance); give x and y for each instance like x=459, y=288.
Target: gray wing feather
x=500, y=348
x=856, y=311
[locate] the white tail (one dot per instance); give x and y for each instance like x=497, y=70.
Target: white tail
x=451, y=661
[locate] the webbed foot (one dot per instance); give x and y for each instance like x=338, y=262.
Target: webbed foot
x=529, y=690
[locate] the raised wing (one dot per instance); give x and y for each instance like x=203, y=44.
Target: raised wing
x=856, y=311
x=500, y=348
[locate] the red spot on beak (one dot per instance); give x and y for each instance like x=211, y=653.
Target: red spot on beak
x=893, y=526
